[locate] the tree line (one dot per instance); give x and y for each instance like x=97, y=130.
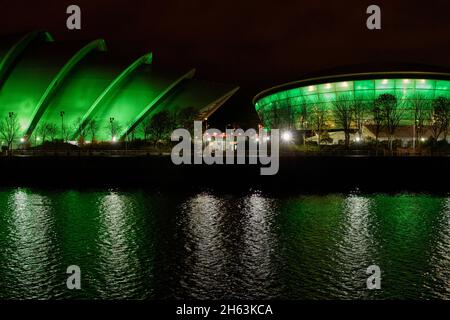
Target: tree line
x=155, y=128
x=385, y=113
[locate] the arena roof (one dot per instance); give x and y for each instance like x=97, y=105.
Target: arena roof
x=285, y=103
x=386, y=70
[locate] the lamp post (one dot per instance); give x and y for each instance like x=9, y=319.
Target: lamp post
x=62, y=113
x=126, y=141
x=111, y=122
x=10, y=115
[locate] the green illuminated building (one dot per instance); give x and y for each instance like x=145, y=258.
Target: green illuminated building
x=43, y=81
x=291, y=105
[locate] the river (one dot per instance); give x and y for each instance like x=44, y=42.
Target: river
x=146, y=244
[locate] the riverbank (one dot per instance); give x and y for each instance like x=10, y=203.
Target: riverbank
x=298, y=173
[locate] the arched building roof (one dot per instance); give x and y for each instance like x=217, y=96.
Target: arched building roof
x=40, y=78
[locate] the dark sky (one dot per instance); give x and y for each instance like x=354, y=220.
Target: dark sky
x=254, y=44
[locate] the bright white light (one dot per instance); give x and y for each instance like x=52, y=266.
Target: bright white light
x=384, y=81
x=209, y=139
x=345, y=84
x=38, y=139
x=328, y=86
x=266, y=138
x=286, y=136
x=22, y=140
x=114, y=139
x=311, y=88
x=405, y=80
x=358, y=139
x=422, y=139
x=422, y=81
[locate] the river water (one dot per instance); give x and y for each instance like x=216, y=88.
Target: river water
x=141, y=244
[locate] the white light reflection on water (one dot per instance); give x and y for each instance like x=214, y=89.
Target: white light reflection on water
x=259, y=247
x=206, y=250
x=118, y=261
x=440, y=255
x=32, y=267
x=353, y=250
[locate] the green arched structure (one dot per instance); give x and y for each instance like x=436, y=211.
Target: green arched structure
x=59, y=78
x=145, y=59
x=11, y=55
x=160, y=97
x=42, y=79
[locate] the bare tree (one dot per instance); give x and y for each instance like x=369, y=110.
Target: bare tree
x=160, y=126
x=421, y=112
x=303, y=120
x=145, y=128
x=9, y=128
x=130, y=134
x=92, y=128
x=185, y=118
x=81, y=127
x=439, y=117
x=318, y=120
x=52, y=131
x=343, y=115
x=377, y=119
x=35, y=136
x=391, y=113
x=42, y=131
x=359, y=113
x=114, y=128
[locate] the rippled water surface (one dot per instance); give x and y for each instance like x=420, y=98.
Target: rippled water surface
x=148, y=245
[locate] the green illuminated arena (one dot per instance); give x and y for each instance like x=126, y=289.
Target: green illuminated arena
x=283, y=106
x=70, y=85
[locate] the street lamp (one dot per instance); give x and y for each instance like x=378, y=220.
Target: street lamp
x=111, y=122
x=62, y=113
x=286, y=136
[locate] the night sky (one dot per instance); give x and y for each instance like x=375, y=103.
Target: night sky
x=253, y=44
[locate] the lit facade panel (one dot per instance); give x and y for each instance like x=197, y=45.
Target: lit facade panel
x=129, y=99
x=325, y=94
x=80, y=90
x=194, y=94
x=30, y=77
